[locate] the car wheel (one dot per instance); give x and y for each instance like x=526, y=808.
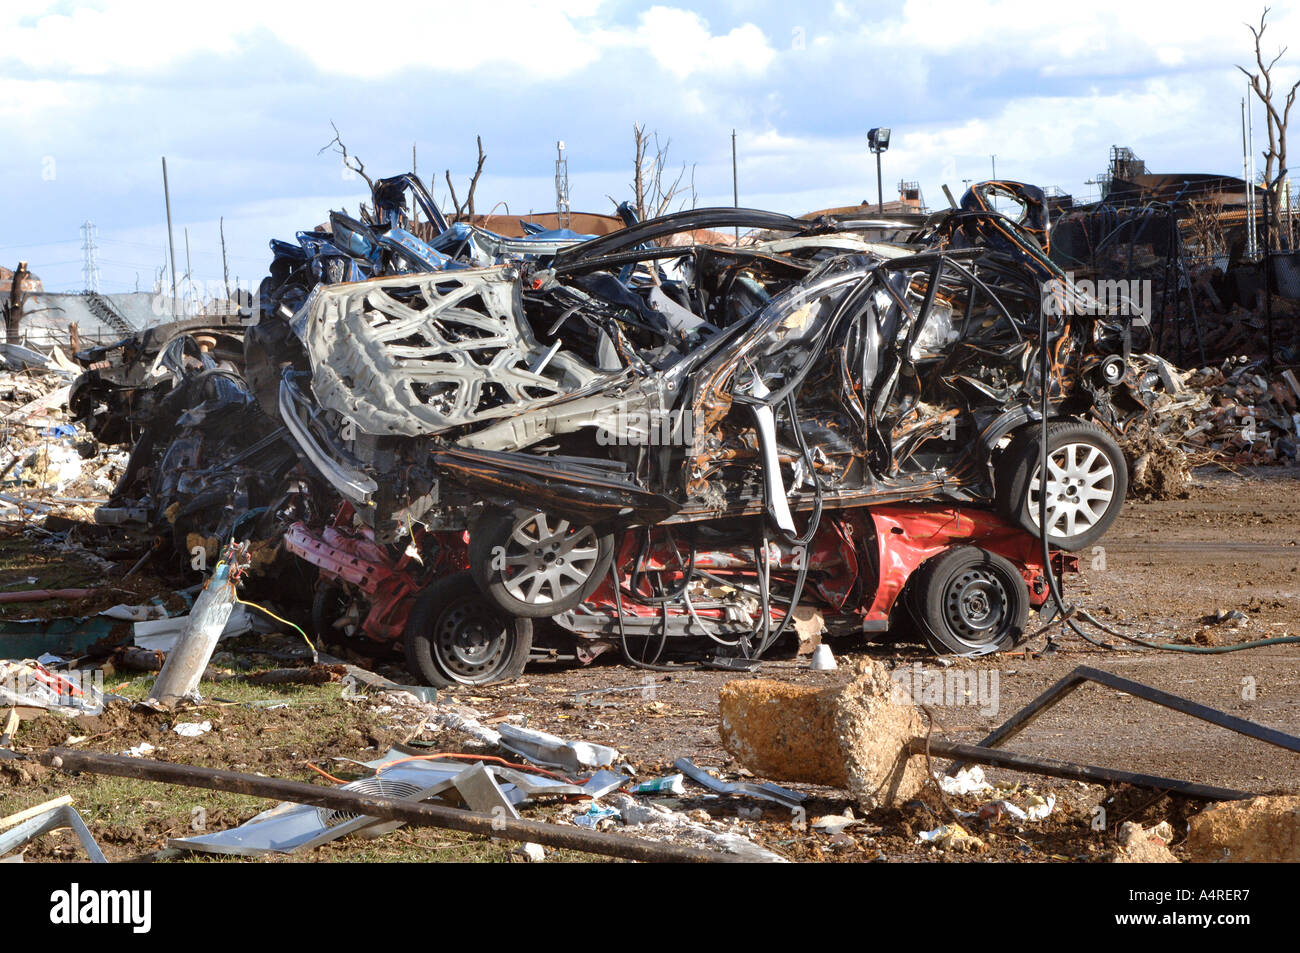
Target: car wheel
x=1087, y=479
x=968, y=601
x=534, y=565
x=455, y=636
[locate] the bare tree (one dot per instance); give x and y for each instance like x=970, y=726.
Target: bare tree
x=351, y=161
x=467, y=209
x=1205, y=221
x=654, y=196
x=1262, y=84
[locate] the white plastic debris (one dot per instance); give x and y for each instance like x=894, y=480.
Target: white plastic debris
x=1040, y=807
x=969, y=780
x=834, y=823
x=192, y=729
x=139, y=751
x=995, y=810
x=141, y=613
x=659, y=823
x=465, y=720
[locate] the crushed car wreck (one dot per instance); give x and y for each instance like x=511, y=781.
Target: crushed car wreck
x=622, y=440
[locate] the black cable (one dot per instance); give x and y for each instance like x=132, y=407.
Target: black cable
x=622, y=631
x=1044, y=407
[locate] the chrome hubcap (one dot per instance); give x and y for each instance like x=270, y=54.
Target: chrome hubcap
x=1080, y=488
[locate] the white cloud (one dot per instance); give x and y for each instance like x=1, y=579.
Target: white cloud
x=529, y=37
x=239, y=98
x=681, y=42
x=1106, y=37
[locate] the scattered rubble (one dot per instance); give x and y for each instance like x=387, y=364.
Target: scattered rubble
x=1145, y=846
x=952, y=837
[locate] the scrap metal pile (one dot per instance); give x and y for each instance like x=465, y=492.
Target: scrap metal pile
x=1207, y=300
x=1251, y=418
x=1237, y=414
x=493, y=447
x=47, y=466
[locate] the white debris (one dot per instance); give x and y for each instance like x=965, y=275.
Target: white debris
x=533, y=853
x=834, y=823
x=659, y=823
x=969, y=780
x=462, y=719
x=1040, y=807
x=552, y=751
x=191, y=729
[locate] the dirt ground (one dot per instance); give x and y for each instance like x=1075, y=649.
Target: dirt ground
x=1163, y=573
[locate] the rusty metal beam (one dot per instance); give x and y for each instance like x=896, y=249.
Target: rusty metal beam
x=1064, y=686
x=1093, y=774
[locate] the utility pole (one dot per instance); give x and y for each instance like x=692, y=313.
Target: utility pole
x=171, y=242
x=1245, y=177
x=1252, y=232
x=735, y=183
x=995, y=165
x=225, y=270
x=189, y=275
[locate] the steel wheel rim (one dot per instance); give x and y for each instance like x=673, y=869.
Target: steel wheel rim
x=975, y=607
x=545, y=563
x=470, y=641
x=1080, y=489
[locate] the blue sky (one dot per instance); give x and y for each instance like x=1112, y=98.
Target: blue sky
x=239, y=96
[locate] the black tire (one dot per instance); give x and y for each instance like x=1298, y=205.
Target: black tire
x=455, y=636
x=328, y=604
x=533, y=565
x=968, y=601
x=1084, y=500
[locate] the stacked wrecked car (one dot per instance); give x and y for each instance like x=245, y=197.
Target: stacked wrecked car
x=493, y=448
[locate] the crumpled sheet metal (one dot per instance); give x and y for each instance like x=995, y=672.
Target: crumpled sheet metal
x=661, y=823
x=550, y=751
x=406, y=356
x=288, y=827
x=766, y=790
x=52, y=820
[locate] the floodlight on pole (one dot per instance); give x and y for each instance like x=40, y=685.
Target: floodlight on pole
x=878, y=142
